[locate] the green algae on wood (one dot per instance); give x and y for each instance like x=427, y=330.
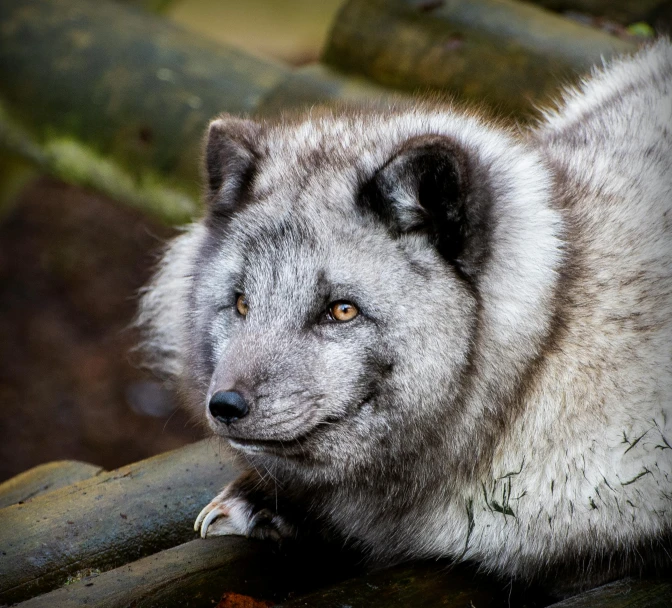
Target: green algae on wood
x=73, y=161
x=15, y=174
x=156, y=6
x=104, y=95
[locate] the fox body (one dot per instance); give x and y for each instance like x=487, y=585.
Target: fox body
x=433, y=335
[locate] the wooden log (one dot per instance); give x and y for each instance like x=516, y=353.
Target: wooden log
x=44, y=478
x=198, y=573
x=106, y=521
x=109, y=97
x=420, y=585
x=626, y=593
x=508, y=54
x=194, y=574
x=319, y=84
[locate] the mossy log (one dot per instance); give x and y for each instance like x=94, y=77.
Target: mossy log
x=44, y=478
x=508, y=54
x=108, y=96
x=317, y=84
x=108, y=520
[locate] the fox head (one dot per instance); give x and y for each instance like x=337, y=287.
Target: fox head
x=360, y=288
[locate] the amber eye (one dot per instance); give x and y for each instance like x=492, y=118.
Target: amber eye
x=241, y=305
x=342, y=311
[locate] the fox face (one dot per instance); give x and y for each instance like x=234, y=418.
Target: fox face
x=361, y=287
x=312, y=307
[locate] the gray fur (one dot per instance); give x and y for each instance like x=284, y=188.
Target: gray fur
x=505, y=394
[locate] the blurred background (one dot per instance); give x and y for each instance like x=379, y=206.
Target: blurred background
x=102, y=107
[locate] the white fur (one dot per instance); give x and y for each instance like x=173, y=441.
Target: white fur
x=571, y=367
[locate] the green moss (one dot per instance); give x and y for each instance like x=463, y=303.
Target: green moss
x=74, y=162
x=641, y=30
x=81, y=574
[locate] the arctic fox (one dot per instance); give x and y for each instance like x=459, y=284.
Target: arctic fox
x=435, y=335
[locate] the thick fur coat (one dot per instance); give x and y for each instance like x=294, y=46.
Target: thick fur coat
x=503, y=393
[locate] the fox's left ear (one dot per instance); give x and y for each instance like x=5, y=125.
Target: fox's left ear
x=230, y=160
x=427, y=186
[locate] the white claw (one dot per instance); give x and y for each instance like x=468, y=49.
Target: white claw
x=209, y=518
x=201, y=516
x=235, y=514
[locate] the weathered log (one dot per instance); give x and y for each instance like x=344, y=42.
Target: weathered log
x=106, y=96
x=111, y=97
x=106, y=521
x=626, y=593
x=317, y=84
x=198, y=573
x=502, y=52
x=44, y=478
x=194, y=574
x=421, y=585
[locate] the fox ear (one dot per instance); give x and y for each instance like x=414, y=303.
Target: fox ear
x=425, y=187
x=230, y=159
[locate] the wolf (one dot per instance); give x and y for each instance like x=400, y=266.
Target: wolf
x=428, y=333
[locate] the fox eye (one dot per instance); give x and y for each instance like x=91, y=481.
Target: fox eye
x=241, y=305
x=342, y=311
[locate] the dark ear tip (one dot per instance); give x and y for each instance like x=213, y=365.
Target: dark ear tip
x=235, y=128
x=426, y=186
x=230, y=150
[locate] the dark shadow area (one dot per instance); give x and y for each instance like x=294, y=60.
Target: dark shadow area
x=71, y=264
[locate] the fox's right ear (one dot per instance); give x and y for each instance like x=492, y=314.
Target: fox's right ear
x=230, y=159
x=428, y=186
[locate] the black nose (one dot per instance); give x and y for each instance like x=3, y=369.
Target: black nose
x=228, y=406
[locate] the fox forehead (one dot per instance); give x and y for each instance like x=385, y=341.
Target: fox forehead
x=293, y=256
x=332, y=156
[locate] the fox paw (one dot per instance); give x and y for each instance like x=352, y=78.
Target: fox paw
x=230, y=514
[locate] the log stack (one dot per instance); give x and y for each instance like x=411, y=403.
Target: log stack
x=107, y=96
x=125, y=538
x=505, y=54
